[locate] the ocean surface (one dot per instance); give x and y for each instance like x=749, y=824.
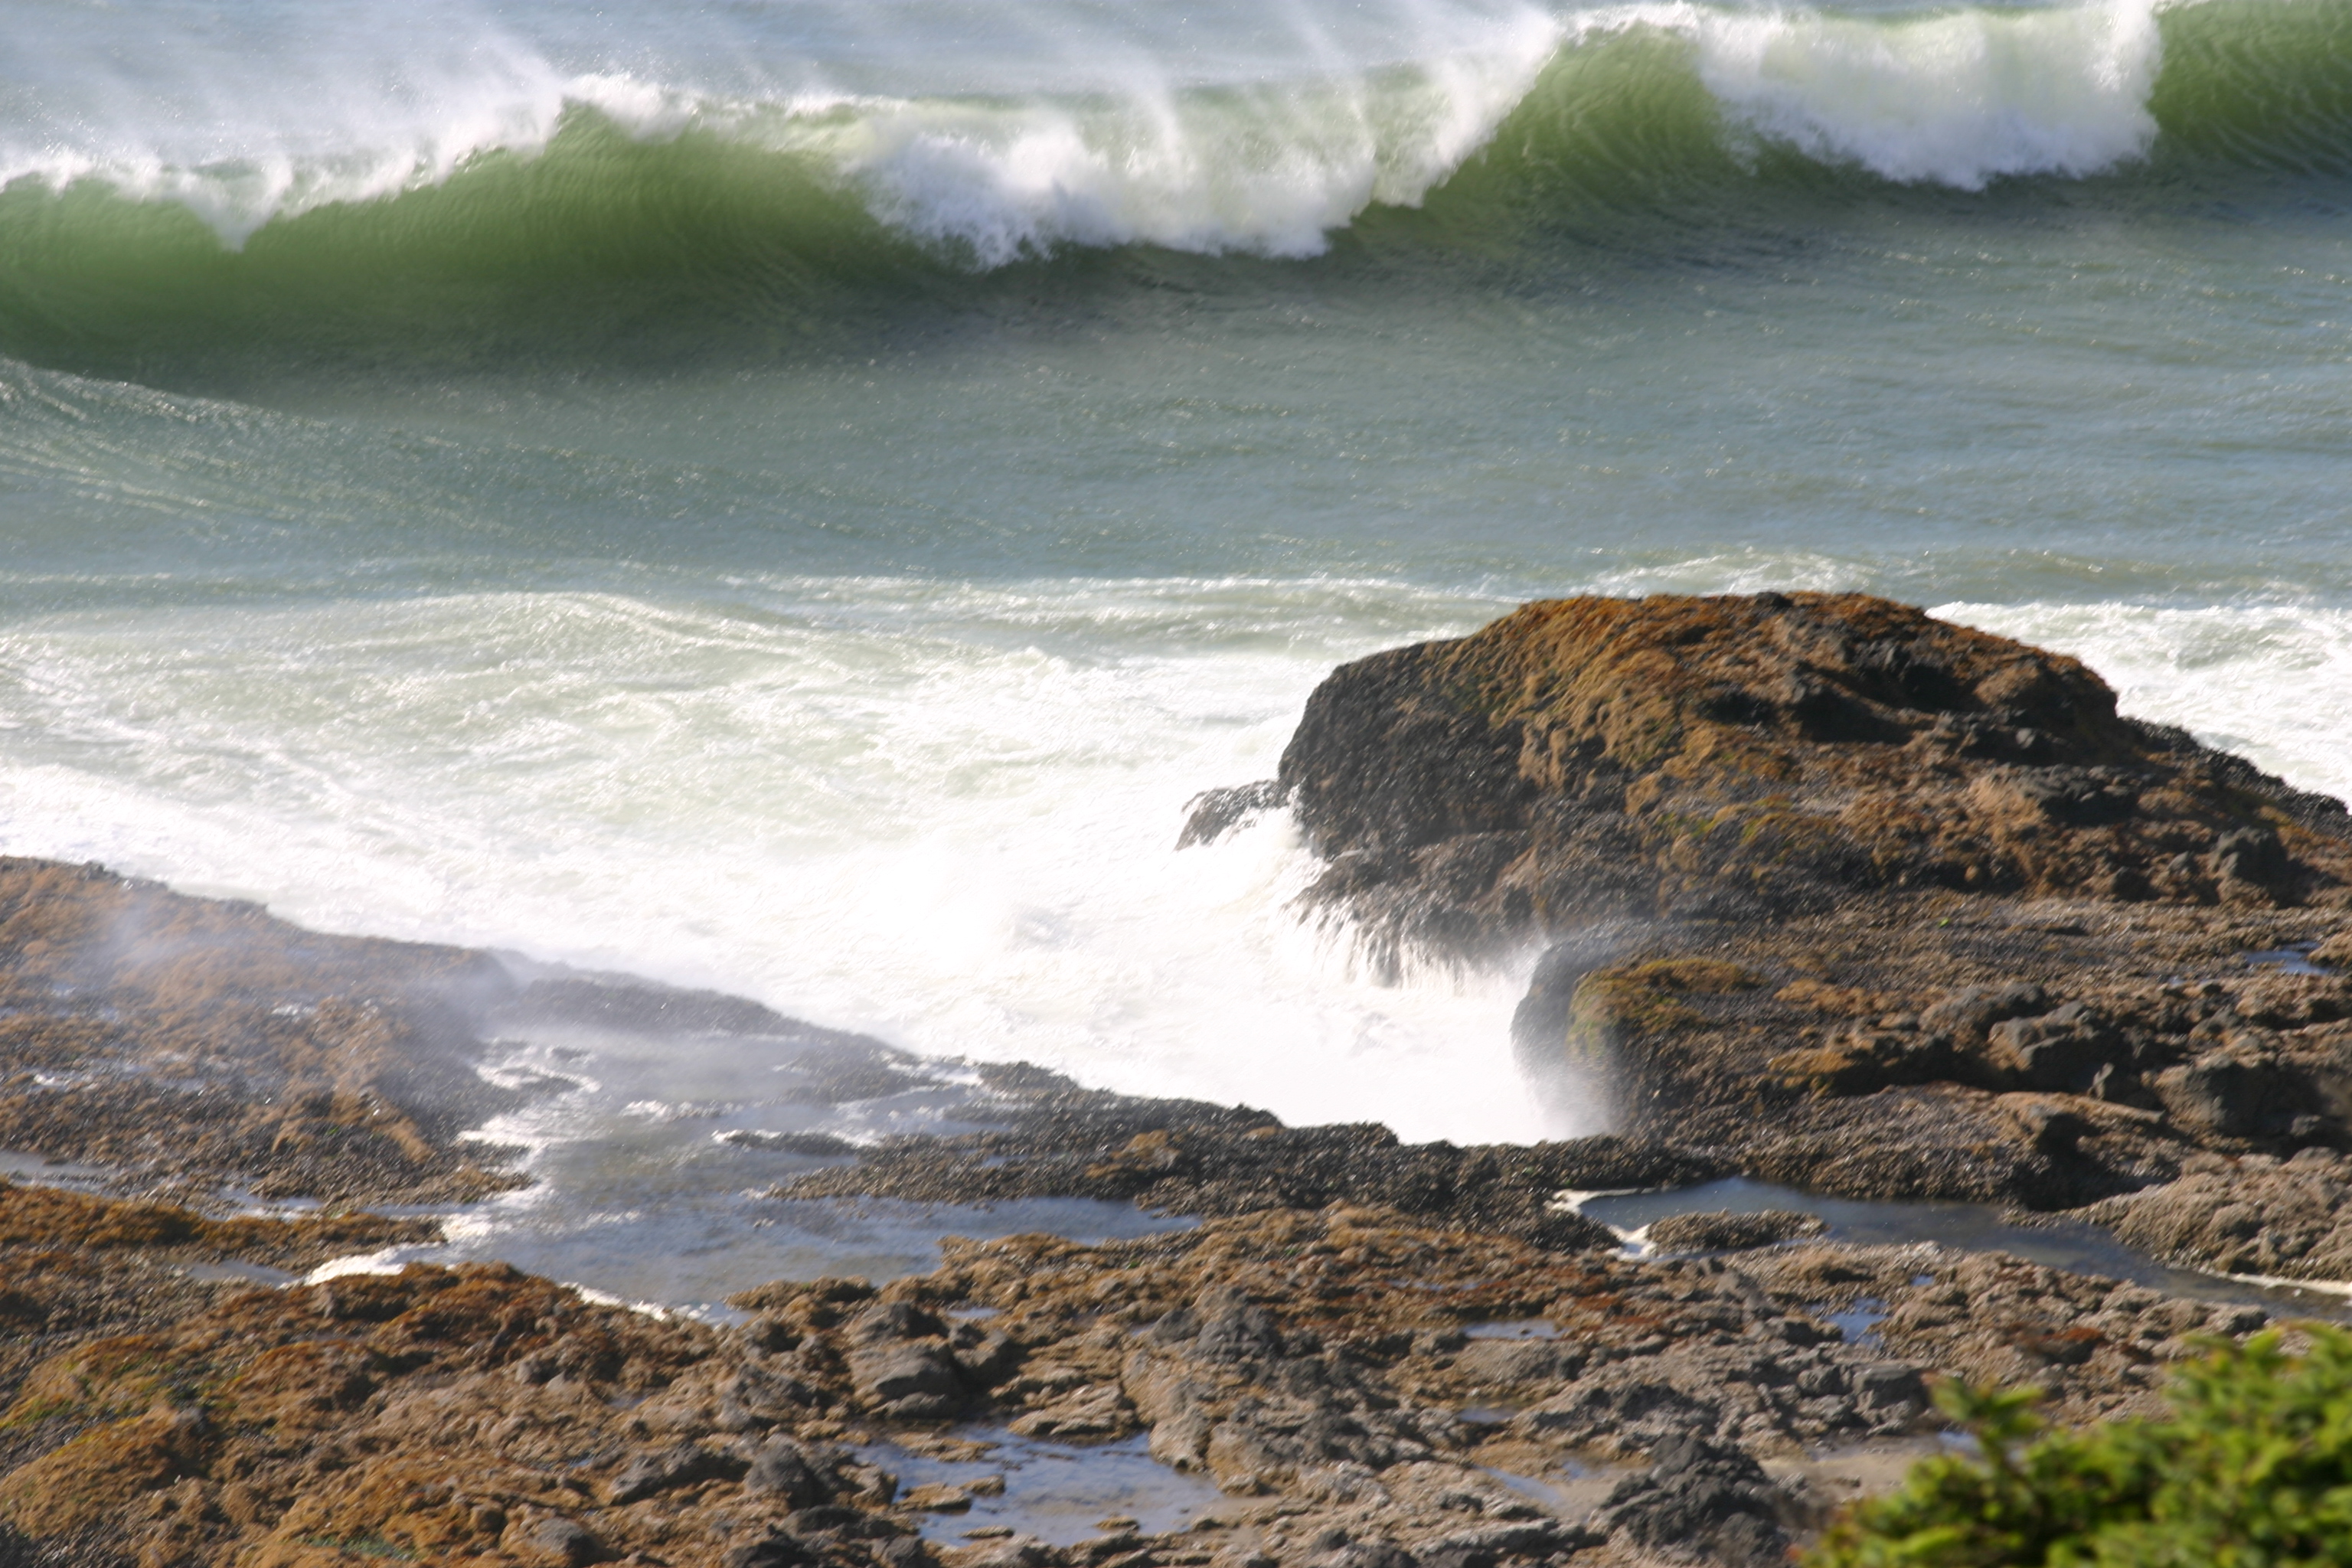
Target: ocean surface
x=794, y=496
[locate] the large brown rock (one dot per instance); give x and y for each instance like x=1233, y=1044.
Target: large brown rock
x=1738, y=756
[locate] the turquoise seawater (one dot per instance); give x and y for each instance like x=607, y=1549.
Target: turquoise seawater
x=795, y=495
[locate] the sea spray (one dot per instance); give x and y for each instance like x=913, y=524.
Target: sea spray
x=1269, y=168
x=952, y=825
x=2271, y=681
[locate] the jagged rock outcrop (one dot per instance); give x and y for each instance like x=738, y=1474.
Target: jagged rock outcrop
x=1750, y=756
x=1833, y=892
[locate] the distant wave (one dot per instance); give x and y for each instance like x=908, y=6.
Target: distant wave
x=602, y=203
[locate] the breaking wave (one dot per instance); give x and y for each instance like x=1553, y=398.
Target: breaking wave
x=527, y=201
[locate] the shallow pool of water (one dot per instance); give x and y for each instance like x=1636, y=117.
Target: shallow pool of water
x=1062, y=1493
x=42, y=1171
x=1521, y=1329
x=2072, y=1245
x=2294, y=958
x=692, y=1254
x=656, y=1159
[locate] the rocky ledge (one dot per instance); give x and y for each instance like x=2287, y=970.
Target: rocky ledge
x=189, y=1046
x=1336, y=1379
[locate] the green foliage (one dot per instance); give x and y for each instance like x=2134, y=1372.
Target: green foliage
x=2253, y=1469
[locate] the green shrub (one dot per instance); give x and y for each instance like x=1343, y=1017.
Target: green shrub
x=2253, y=1470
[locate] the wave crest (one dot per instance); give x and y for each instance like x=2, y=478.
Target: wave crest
x=583, y=210
x=1957, y=100
x=1273, y=168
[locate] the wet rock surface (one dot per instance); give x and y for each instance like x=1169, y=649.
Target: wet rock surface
x=200, y=1041
x=1184, y=1157
x=1317, y=1367
x=1724, y=1232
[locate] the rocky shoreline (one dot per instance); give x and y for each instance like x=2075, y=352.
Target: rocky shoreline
x=1829, y=894
x=1334, y=1374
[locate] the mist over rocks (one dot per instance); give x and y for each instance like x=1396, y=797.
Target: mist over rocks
x=201, y=1041
x=190, y=1046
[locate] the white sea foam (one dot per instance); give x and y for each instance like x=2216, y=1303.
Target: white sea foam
x=389, y=1260
x=1955, y=97
x=239, y=134
x=2272, y=681
x=1103, y=139
x=946, y=819
x=1269, y=169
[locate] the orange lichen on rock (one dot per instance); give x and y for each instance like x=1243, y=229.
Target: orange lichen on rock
x=485, y=1377
x=50, y=1217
